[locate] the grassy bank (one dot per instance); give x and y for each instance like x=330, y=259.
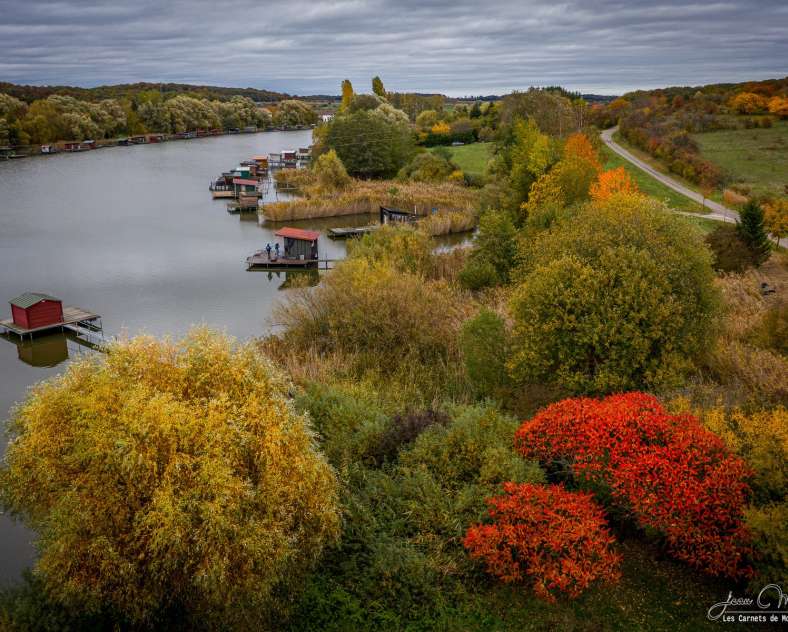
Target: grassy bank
x=754, y=158
x=472, y=159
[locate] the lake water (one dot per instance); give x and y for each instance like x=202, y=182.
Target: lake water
x=132, y=234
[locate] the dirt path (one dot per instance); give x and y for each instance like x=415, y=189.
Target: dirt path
x=718, y=211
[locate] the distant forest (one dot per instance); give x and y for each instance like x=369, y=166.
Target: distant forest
x=29, y=94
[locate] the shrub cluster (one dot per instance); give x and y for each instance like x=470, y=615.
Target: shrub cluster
x=664, y=472
x=555, y=540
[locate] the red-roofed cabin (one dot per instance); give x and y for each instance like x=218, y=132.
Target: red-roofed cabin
x=299, y=244
x=33, y=309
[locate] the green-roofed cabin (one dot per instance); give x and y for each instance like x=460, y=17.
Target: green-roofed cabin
x=33, y=309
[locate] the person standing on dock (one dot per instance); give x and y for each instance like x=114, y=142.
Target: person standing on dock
x=268, y=250
x=276, y=248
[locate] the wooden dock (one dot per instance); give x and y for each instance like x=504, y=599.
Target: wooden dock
x=242, y=207
x=357, y=231
x=73, y=318
x=261, y=261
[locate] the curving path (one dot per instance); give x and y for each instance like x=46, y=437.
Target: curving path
x=719, y=212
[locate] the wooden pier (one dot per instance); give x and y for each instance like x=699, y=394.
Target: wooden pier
x=356, y=231
x=74, y=319
x=242, y=207
x=261, y=261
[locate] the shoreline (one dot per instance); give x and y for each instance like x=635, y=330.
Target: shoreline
x=117, y=142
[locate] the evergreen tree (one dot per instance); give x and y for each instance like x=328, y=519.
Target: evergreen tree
x=752, y=230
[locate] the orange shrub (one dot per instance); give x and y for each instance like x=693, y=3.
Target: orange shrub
x=748, y=103
x=666, y=472
x=611, y=182
x=556, y=540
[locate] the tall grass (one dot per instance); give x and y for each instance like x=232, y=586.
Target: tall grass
x=739, y=362
x=449, y=222
x=366, y=196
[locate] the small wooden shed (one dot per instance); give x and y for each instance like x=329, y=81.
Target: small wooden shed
x=299, y=243
x=390, y=215
x=33, y=309
x=244, y=185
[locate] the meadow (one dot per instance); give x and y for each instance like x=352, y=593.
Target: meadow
x=753, y=158
x=472, y=158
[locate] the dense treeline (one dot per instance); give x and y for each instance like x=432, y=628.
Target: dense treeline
x=131, y=90
x=61, y=117
x=660, y=121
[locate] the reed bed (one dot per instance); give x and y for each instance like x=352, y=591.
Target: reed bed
x=449, y=222
x=366, y=196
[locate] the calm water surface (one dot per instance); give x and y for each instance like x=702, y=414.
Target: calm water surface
x=132, y=234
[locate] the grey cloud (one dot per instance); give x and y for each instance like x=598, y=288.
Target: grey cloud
x=457, y=47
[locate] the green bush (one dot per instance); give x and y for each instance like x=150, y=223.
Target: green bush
x=618, y=296
x=731, y=253
x=330, y=172
x=401, y=247
x=767, y=525
x=401, y=563
x=401, y=431
x=477, y=274
x=477, y=446
x=349, y=420
x=426, y=166
x=484, y=346
x=370, y=144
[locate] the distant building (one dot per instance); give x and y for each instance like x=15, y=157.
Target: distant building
x=326, y=117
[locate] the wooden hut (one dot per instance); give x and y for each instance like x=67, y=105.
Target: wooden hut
x=32, y=310
x=245, y=186
x=299, y=244
x=396, y=216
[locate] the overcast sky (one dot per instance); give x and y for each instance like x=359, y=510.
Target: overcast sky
x=455, y=47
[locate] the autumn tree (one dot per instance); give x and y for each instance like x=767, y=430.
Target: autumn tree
x=616, y=295
x=610, y=183
x=570, y=179
x=775, y=215
x=331, y=173
x=779, y=106
x=748, y=103
x=377, y=87
x=170, y=476
x=532, y=154
x=347, y=94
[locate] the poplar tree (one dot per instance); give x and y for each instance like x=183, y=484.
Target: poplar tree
x=347, y=94
x=377, y=87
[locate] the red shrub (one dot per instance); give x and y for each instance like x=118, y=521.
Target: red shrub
x=665, y=472
x=554, y=539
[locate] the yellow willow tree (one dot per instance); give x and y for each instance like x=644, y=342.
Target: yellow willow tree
x=171, y=476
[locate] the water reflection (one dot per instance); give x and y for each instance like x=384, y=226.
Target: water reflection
x=49, y=350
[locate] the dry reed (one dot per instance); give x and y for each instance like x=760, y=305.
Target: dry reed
x=366, y=196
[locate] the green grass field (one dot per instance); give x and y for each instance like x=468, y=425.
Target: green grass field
x=757, y=158
x=649, y=185
x=472, y=159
